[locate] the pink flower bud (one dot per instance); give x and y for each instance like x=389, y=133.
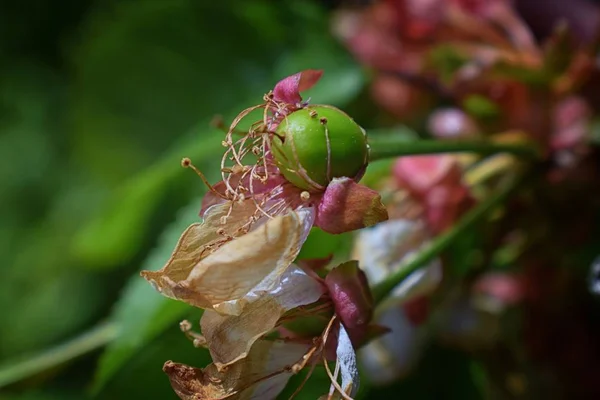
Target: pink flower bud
x=351, y=296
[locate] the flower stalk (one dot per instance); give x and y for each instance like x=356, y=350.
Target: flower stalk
x=382, y=148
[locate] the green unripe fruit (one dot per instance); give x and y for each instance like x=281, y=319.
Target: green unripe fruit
x=319, y=143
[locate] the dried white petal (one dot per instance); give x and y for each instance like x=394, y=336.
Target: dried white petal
x=346, y=357
x=387, y=247
x=230, y=337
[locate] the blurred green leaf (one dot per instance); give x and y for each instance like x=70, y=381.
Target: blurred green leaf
x=114, y=235
x=43, y=201
x=29, y=365
x=142, y=313
x=479, y=377
x=464, y=254
x=539, y=77
x=42, y=395
x=319, y=244
x=480, y=106
x=206, y=83
x=141, y=377
x=446, y=61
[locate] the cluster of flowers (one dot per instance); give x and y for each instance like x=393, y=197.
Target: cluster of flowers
x=483, y=57
x=488, y=62
x=268, y=315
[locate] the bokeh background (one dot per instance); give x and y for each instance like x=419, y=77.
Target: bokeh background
x=99, y=101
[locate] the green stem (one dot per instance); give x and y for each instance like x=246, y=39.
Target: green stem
x=439, y=244
x=12, y=371
x=382, y=148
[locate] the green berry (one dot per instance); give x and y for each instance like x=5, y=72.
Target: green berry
x=318, y=143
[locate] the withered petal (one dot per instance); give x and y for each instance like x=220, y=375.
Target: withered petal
x=247, y=180
x=207, y=269
x=288, y=89
x=346, y=206
x=261, y=375
x=231, y=337
x=346, y=357
x=259, y=257
x=197, y=242
x=349, y=290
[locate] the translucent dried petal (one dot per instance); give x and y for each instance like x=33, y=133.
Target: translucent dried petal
x=236, y=267
x=346, y=357
x=197, y=242
x=231, y=337
x=305, y=219
x=261, y=375
x=243, y=179
x=288, y=89
x=347, y=206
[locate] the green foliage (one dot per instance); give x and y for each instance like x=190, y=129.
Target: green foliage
x=480, y=106
x=141, y=314
x=142, y=376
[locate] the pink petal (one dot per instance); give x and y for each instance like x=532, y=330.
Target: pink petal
x=346, y=206
x=288, y=89
x=351, y=296
x=508, y=289
x=445, y=204
x=417, y=310
x=571, y=123
x=421, y=173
